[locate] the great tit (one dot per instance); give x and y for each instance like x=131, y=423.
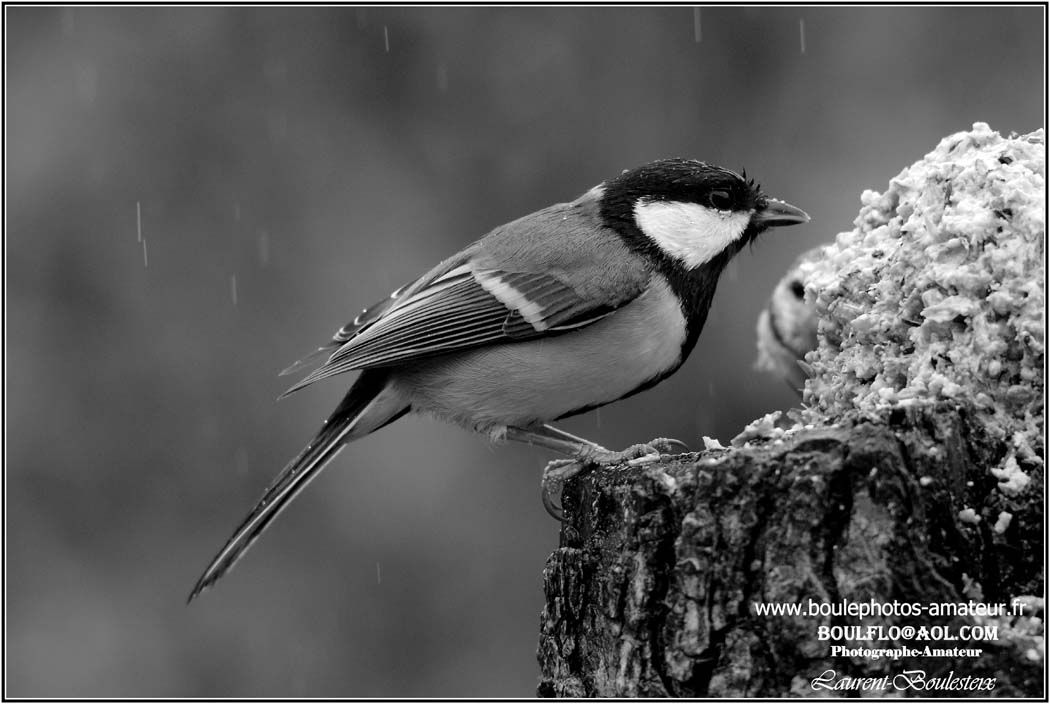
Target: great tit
x=559, y=312
x=787, y=327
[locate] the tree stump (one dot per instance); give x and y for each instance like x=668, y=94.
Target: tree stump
x=653, y=589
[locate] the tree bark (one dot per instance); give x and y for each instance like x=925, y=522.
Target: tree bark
x=652, y=591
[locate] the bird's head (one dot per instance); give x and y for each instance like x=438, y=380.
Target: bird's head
x=690, y=212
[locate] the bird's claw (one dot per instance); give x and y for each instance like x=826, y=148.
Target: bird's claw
x=557, y=472
x=669, y=446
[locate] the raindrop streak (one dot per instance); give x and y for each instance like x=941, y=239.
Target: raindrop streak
x=732, y=271
x=264, y=247
x=379, y=575
x=236, y=211
x=233, y=288
x=145, y=255
x=138, y=218
x=69, y=22
x=277, y=124
x=386, y=39
x=802, y=34
x=698, y=29
x=442, y=78
x=241, y=461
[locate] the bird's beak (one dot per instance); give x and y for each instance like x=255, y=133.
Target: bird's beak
x=777, y=213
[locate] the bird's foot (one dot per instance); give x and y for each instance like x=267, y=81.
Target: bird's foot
x=557, y=472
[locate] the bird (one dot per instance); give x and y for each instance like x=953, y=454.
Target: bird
x=787, y=327
x=559, y=312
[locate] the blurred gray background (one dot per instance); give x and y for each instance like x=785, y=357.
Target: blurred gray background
x=293, y=165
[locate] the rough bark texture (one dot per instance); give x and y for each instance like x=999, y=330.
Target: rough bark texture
x=651, y=592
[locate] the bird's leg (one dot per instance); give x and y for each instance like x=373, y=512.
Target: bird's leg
x=557, y=472
x=553, y=439
x=584, y=454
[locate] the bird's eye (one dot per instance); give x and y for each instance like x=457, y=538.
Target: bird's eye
x=798, y=289
x=720, y=200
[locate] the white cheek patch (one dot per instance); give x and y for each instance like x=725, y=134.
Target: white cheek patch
x=689, y=232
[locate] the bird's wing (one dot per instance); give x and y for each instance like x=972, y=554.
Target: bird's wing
x=365, y=318
x=510, y=286
x=466, y=308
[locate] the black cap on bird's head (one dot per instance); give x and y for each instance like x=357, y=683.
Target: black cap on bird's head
x=686, y=181
x=690, y=212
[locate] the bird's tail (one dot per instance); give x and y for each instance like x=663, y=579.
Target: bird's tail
x=368, y=406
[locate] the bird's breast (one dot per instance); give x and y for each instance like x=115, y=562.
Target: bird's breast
x=539, y=380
